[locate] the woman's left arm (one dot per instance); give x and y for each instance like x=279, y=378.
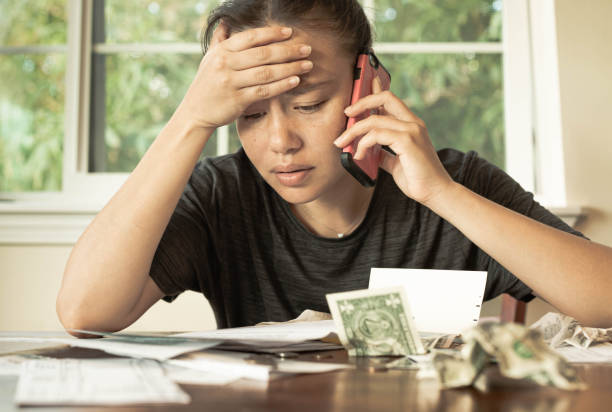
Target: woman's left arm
x=571, y=273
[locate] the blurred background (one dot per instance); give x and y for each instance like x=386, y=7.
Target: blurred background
x=85, y=87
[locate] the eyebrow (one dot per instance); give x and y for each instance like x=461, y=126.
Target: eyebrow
x=306, y=87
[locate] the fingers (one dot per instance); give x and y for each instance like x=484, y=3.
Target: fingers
x=383, y=137
x=257, y=37
x=389, y=162
x=375, y=122
x=271, y=73
x=388, y=101
x=376, y=85
x=269, y=90
x=268, y=54
x=220, y=34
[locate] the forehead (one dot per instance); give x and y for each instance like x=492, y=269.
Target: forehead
x=330, y=60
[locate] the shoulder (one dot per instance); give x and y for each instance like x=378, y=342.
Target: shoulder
x=463, y=165
x=220, y=181
x=230, y=166
x=476, y=173
x=229, y=171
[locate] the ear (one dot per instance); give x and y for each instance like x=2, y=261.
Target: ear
x=220, y=34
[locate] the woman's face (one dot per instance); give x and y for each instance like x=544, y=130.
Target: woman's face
x=289, y=138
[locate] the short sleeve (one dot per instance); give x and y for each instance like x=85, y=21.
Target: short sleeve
x=496, y=185
x=183, y=254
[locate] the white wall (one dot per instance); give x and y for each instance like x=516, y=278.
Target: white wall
x=584, y=38
x=30, y=275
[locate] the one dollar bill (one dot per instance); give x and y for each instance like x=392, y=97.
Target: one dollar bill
x=375, y=322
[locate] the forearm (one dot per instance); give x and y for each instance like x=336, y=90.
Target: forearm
x=570, y=272
x=109, y=265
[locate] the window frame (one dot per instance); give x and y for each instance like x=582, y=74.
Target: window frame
x=531, y=109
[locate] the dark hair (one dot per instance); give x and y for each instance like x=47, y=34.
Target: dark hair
x=344, y=18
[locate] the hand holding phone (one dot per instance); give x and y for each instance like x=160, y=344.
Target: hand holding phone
x=367, y=68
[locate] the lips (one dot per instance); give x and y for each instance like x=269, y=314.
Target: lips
x=292, y=175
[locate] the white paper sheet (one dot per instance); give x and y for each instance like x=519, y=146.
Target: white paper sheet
x=238, y=365
x=96, y=382
x=271, y=335
x=598, y=353
x=190, y=376
x=441, y=301
x=11, y=364
x=122, y=347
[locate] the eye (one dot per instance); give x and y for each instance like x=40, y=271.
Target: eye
x=253, y=116
x=310, y=108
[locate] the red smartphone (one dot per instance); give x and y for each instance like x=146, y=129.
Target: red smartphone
x=366, y=69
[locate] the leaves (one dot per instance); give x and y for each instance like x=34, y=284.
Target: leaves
x=460, y=97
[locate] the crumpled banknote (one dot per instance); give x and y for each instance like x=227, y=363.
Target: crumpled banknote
x=520, y=352
x=559, y=330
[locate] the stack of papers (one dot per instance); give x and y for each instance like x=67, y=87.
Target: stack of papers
x=240, y=365
x=154, y=365
x=276, y=337
x=135, y=346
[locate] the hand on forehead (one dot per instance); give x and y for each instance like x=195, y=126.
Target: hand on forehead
x=327, y=54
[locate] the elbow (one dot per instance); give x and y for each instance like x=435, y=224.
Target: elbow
x=74, y=316
x=69, y=316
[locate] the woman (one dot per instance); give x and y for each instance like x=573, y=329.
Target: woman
x=266, y=232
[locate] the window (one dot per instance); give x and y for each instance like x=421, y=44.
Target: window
x=445, y=59
x=33, y=36
x=145, y=55
x=143, y=62
x=127, y=65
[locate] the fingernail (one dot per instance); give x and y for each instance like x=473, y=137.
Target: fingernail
x=307, y=65
x=305, y=50
x=287, y=31
x=347, y=110
x=294, y=80
x=337, y=141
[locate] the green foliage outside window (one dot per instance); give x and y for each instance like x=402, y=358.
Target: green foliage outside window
x=459, y=96
x=31, y=96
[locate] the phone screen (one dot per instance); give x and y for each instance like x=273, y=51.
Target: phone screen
x=366, y=69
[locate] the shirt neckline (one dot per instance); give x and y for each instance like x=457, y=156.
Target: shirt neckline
x=359, y=231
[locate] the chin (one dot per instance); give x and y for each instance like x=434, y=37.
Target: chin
x=297, y=195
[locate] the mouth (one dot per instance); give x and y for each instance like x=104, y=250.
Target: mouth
x=292, y=175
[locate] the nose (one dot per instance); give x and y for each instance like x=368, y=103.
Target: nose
x=284, y=138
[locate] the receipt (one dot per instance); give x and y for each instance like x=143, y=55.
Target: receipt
x=111, y=381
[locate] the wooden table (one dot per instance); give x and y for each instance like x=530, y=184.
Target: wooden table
x=359, y=390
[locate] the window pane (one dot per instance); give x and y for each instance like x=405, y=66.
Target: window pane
x=31, y=122
x=438, y=20
x=459, y=97
x=31, y=22
x=145, y=21
x=138, y=94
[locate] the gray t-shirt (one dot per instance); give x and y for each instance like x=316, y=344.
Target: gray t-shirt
x=233, y=238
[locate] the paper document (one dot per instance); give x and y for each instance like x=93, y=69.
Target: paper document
x=240, y=365
x=11, y=364
x=96, y=382
x=191, y=376
x=600, y=353
x=271, y=334
x=121, y=346
x=441, y=301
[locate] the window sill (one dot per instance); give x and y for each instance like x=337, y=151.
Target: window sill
x=55, y=222
x=61, y=222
